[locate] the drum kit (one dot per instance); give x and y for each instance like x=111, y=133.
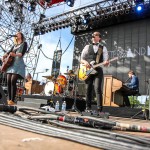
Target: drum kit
x=62, y=86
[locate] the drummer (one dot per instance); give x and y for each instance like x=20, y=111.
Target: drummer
x=28, y=83
x=70, y=76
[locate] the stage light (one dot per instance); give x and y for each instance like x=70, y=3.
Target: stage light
x=42, y=30
x=70, y=2
x=114, y=8
x=32, y=6
x=11, y=9
x=78, y=20
x=36, y=32
x=42, y=16
x=86, y=19
x=139, y=7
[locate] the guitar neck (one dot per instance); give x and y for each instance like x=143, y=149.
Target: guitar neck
x=101, y=64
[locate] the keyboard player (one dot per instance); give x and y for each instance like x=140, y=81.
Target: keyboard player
x=133, y=87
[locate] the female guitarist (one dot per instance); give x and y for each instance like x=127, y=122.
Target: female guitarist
x=14, y=66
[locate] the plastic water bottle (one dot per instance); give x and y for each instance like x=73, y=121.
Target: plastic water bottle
x=57, y=106
x=63, y=108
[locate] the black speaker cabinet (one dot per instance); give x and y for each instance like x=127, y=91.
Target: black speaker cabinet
x=3, y=99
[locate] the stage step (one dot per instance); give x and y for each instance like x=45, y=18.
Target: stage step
x=38, y=101
x=29, y=104
x=35, y=100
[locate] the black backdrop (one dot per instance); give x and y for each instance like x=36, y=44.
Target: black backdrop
x=130, y=40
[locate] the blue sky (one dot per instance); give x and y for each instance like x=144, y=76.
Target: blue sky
x=49, y=41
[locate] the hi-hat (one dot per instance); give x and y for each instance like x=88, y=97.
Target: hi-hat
x=70, y=73
x=49, y=77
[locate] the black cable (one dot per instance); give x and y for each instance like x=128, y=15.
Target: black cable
x=68, y=45
x=45, y=55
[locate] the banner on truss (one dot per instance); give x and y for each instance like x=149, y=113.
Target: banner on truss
x=56, y=63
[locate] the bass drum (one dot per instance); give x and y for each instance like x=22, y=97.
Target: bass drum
x=52, y=88
x=49, y=88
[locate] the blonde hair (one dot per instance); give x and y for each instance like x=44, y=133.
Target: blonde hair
x=22, y=37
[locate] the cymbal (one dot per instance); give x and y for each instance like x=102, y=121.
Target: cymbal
x=49, y=77
x=70, y=74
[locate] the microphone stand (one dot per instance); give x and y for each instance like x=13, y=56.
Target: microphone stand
x=147, y=95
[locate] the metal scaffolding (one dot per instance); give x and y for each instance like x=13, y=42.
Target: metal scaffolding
x=102, y=10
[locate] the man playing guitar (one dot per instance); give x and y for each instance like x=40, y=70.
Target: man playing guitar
x=94, y=52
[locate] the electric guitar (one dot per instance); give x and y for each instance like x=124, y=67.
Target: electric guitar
x=7, y=62
x=85, y=72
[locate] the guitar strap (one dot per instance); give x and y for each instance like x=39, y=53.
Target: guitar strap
x=100, y=50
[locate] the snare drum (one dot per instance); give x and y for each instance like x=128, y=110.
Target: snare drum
x=62, y=81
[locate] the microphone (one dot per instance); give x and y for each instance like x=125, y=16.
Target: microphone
x=12, y=35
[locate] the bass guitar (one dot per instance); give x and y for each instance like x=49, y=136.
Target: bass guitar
x=85, y=72
x=7, y=62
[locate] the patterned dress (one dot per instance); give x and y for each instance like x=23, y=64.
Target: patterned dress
x=18, y=66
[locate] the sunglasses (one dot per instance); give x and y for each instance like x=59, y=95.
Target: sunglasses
x=93, y=35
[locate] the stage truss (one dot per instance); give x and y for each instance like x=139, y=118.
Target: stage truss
x=98, y=12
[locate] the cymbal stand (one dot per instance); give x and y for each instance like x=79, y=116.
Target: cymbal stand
x=67, y=89
x=144, y=111
x=74, y=107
